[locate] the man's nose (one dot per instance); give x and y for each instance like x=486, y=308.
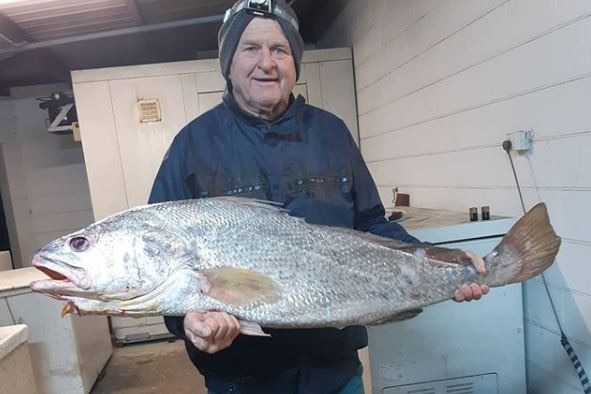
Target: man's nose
x=266, y=60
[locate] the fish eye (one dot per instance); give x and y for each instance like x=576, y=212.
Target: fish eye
x=79, y=244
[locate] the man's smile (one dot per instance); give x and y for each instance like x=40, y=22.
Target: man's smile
x=266, y=80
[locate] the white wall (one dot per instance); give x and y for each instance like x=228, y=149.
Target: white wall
x=439, y=84
x=43, y=178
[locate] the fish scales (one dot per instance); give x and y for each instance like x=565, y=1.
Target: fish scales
x=307, y=290
x=251, y=259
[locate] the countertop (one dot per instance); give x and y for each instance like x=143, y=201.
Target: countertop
x=443, y=226
x=414, y=218
x=11, y=337
x=20, y=278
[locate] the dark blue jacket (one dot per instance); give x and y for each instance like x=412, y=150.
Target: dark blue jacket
x=308, y=161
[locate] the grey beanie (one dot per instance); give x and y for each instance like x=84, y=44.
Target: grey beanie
x=239, y=16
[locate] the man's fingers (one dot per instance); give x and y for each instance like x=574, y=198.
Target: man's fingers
x=476, y=291
x=471, y=291
x=236, y=327
x=204, y=345
x=211, y=332
x=477, y=262
x=204, y=330
x=218, y=320
x=463, y=293
x=232, y=327
x=197, y=323
x=189, y=334
x=199, y=342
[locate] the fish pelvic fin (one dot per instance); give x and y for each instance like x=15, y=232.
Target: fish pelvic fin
x=239, y=287
x=252, y=328
x=531, y=246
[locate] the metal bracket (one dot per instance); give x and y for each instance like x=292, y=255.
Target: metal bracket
x=54, y=126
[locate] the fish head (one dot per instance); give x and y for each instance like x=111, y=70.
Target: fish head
x=121, y=258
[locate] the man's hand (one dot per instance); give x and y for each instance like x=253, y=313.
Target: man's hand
x=211, y=331
x=472, y=291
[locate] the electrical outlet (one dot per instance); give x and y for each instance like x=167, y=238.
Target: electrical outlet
x=521, y=140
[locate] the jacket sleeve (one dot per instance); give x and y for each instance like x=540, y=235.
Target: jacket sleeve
x=369, y=211
x=169, y=185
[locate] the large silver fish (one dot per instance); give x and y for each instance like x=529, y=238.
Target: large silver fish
x=252, y=260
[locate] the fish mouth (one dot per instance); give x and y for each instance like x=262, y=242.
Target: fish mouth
x=65, y=279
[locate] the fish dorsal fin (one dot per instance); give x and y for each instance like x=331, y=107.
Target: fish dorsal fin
x=383, y=241
x=252, y=203
x=239, y=286
x=438, y=254
x=435, y=253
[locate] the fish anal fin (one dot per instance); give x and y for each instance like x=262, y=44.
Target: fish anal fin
x=239, y=286
x=404, y=315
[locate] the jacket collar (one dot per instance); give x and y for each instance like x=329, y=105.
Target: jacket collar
x=286, y=123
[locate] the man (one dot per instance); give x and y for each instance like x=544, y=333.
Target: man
x=261, y=142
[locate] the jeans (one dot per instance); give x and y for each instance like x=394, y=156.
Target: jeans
x=354, y=386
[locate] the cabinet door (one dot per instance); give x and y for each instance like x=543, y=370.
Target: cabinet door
x=143, y=145
x=338, y=92
x=101, y=148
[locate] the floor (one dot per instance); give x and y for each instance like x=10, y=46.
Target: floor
x=152, y=367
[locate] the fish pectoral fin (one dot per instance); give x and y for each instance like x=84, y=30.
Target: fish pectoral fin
x=404, y=315
x=252, y=328
x=239, y=286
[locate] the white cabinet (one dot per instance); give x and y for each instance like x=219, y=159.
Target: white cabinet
x=142, y=145
x=16, y=371
x=68, y=354
x=122, y=153
x=5, y=260
x=475, y=347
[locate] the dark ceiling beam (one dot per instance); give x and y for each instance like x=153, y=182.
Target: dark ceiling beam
x=135, y=12
x=328, y=12
x=138, y=20
x=315, y=16
x=10, y=65
x=11, y=32
x=23, y=69
x=112, y=33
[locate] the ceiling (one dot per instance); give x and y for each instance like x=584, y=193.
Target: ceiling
x=42, y=40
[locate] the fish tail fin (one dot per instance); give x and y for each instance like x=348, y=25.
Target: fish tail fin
x=525, y=251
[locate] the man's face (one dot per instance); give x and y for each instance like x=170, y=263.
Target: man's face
x=263, y=70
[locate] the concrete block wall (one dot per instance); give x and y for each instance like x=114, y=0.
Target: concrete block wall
x=439, y=85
